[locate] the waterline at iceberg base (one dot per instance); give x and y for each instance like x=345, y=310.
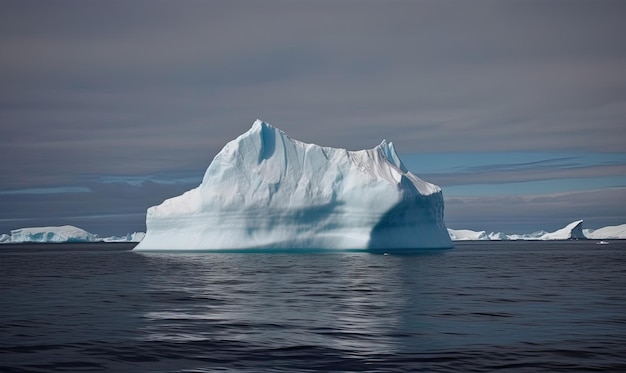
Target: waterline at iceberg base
x=265, y=190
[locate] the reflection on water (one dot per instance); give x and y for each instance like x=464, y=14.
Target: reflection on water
x=342, y=301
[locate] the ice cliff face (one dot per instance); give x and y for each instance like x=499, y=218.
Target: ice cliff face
x=266, y=190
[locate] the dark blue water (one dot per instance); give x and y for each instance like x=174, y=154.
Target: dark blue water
x=484, y=306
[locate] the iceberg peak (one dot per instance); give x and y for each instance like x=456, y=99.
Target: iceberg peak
x=267, y=190
x=389, y=151
x=572, y=231
x=258, y=127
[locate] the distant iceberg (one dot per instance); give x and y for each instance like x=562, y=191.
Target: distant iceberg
x=265, y=190
x=467, y=235
x=55, y=234
x=572, y=231
x=130, y=237
x=497, y=236
x=63, y=234
x=613, y=232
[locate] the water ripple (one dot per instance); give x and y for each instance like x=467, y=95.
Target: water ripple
x=546, y=307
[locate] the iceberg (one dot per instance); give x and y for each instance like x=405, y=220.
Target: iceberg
x=265, y=190
x=55, y=234
x=62, y=234
x=467, y=235
x=535, y=236
x=498, y=236
x=130, y=237
x=614, y=232
x=572, y=231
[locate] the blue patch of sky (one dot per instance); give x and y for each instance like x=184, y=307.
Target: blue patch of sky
x=178, y=177
x=191, y=178
x=536, y=187
x=470, y=162
x=50, y=190
x=496, y=162
x=430, y=163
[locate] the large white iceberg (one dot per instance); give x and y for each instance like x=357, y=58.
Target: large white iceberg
x=55, y=234
x=265, y=190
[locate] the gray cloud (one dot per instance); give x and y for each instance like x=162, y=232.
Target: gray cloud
x=134, y=88
x=526, y=214
x=111, y=208
x=497, y=175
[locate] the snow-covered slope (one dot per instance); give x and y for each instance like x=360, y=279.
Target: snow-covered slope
x=130, y=237
x=467, y=235
x=498, y=236
x=572, y=231
x=612, y=232
x=65, y=233
x=525, y=236
x=266, y=190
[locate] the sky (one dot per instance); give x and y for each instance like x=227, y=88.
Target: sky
x=517, y=109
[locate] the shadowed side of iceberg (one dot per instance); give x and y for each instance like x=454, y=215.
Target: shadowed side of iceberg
x=414, y=224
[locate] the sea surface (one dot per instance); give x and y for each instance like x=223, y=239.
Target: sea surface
x=480, y=307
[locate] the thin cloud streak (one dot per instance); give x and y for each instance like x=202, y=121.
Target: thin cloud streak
x=524, y=175
x=526, y=214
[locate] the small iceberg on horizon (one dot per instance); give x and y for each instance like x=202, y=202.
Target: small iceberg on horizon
x=51, y=234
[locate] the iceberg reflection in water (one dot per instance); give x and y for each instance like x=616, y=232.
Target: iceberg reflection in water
x=339, y=301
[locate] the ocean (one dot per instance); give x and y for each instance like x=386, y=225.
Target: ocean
x=482, y=306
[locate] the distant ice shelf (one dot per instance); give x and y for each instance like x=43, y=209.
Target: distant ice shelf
x=572, y=231
x=54, y=234
x=62, y=234
x=612, y=232
x=265, y=190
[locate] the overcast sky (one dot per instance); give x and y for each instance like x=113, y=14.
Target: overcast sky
x=516, y=108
